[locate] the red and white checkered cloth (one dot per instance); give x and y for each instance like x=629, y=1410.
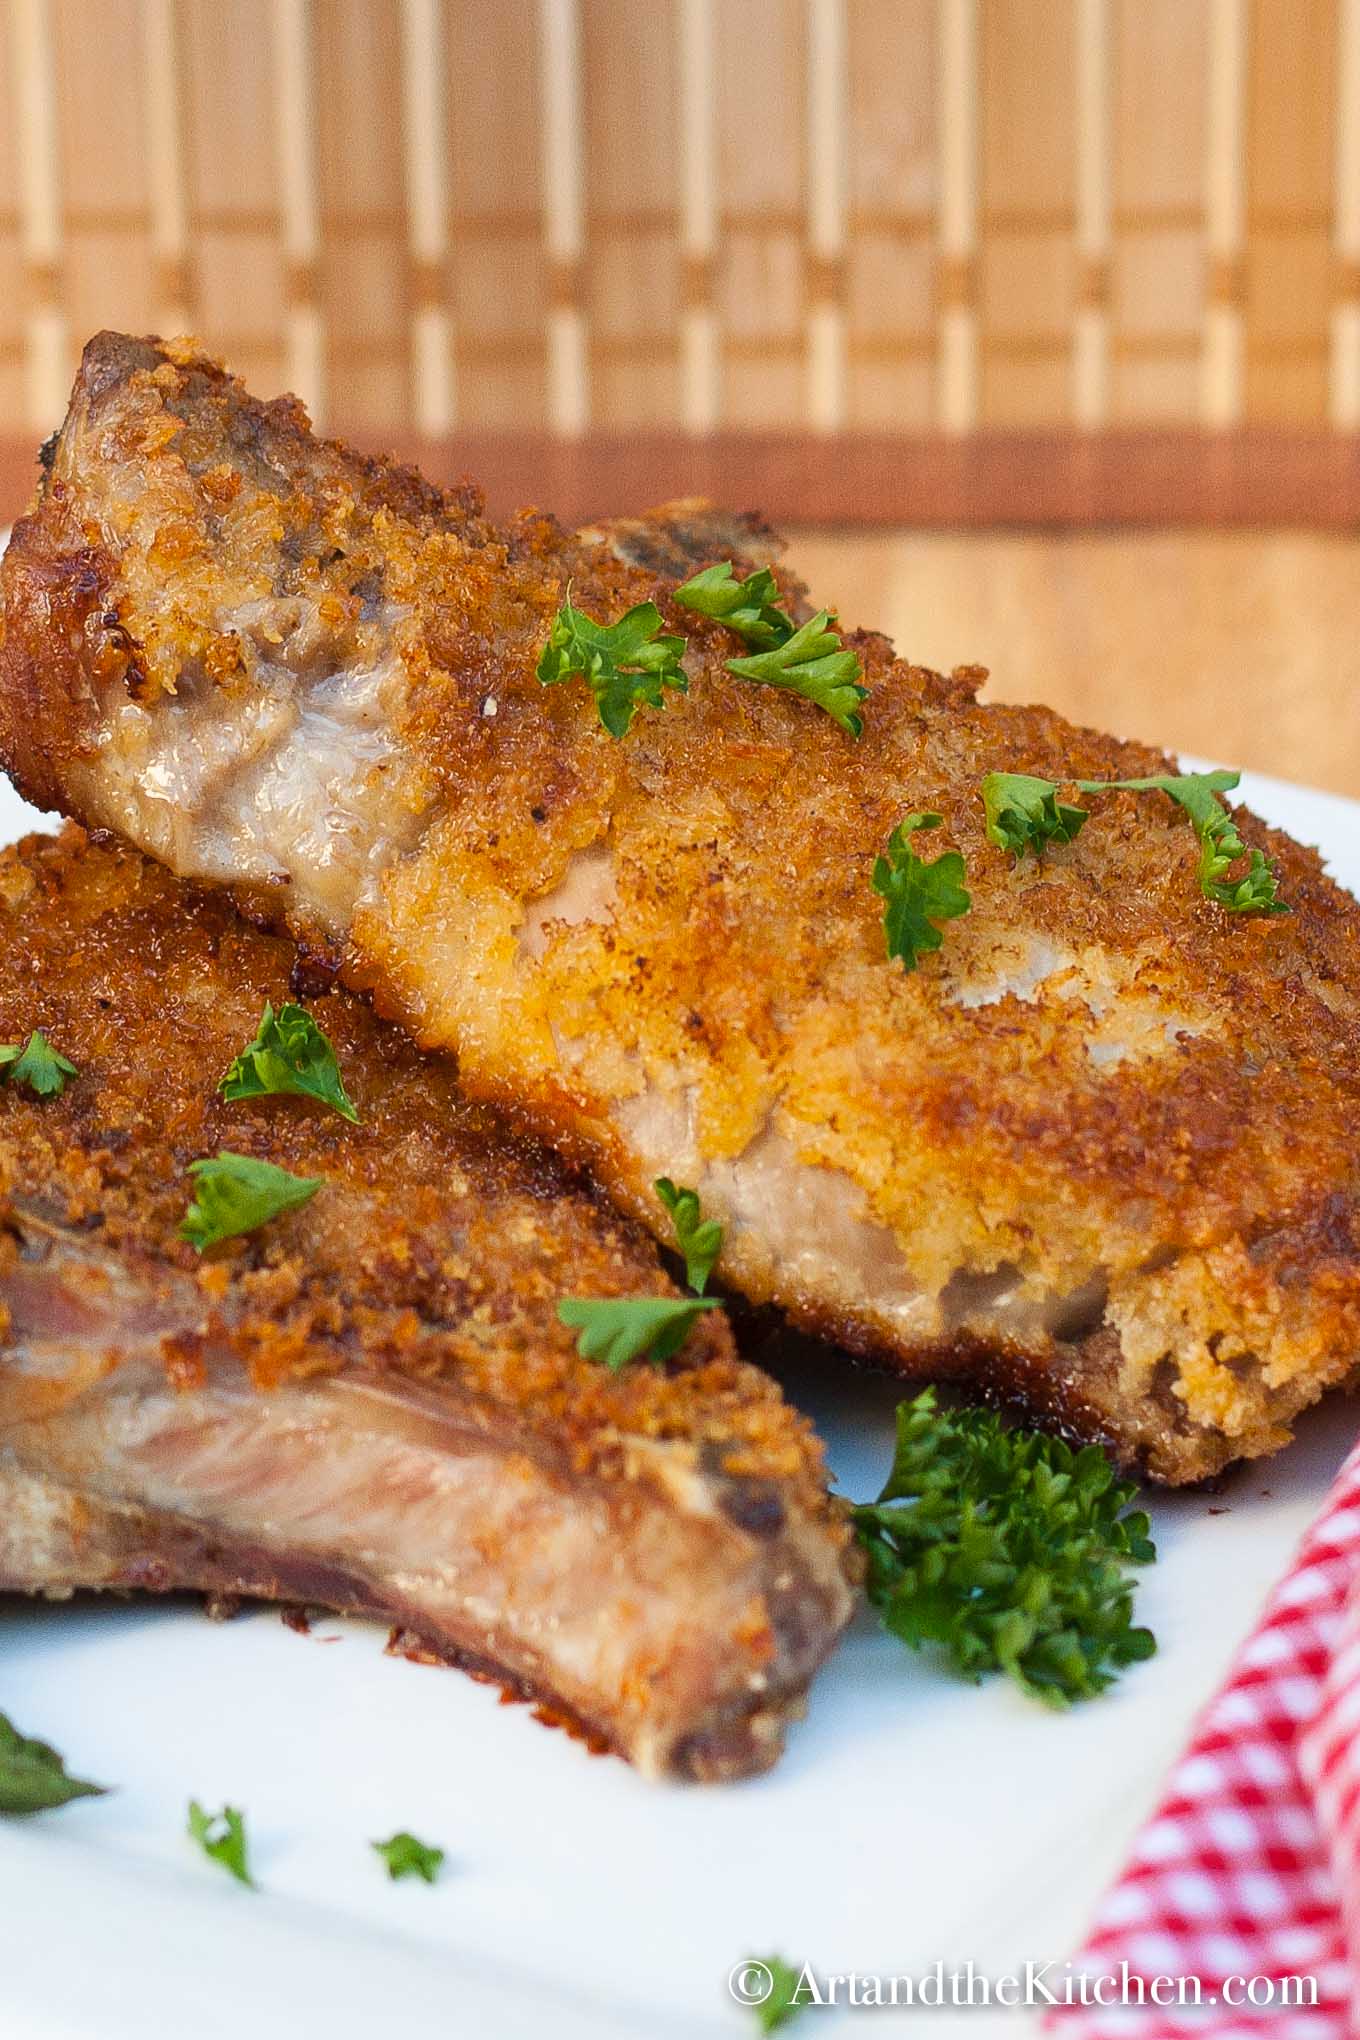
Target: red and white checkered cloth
x=1251, y=1865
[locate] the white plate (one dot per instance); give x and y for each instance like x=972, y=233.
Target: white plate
x=913, y=1819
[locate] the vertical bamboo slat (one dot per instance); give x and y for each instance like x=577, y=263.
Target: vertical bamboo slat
x=432, y=382
x=365, y=285
x=763, y=180
x=294, y=90
x=564, y=216
x=231, y=175
x=108, y=262
x=1090, y=336
x=957, y=227
x=165, y=165
x=1028, y=163
x=13, y=344
x=1290, y=171
x=1221, y=385
x=497, y=275
x=1156, y=311
x=700, y=380
x=40, y=228
x=825, y=281
x=633, y=282
x=892, y=176
x=1344, y=394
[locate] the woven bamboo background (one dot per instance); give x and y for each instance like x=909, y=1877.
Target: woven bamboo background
x=910, y=258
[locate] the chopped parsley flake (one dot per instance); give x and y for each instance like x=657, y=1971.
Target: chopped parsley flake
x=699, y=1239
x=619, y=1329
x=625, y=664
x=290, y=1053
x=235, y=1194
x=36, y=1064
x=919, y=895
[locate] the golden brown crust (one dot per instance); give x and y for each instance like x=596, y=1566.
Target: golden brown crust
x=1138, y=1103
x=440, y=1244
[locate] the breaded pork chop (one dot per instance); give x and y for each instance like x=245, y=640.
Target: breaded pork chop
x=1098, y=1149
x=369, y=1403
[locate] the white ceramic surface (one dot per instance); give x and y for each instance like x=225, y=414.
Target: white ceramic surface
x=913, y=1819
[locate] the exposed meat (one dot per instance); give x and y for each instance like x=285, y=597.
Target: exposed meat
x=368, y=1404
x=1097, y=1149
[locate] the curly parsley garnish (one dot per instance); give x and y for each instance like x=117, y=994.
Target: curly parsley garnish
x=36, y=1064
x=699, y=1239
x=918, y=894
x=624, y=664
x=779, y=1981
x=222, y=1837
x=1024, y=813
x=234, y=1194
x=407, y=1857
x=812, y=663
x=1219, y=842
x=1007, y=1550
x=34, y=1777
x=748, y=607
x=807, y=659
x=289, y=1053
x=618, y=1329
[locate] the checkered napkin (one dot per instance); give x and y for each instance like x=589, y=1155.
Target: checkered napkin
x=1251, y=1865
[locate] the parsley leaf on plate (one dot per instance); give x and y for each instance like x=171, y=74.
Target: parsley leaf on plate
x=222, y=1836
x=813, y=663
x=624, y=664
x=699, y=1239
x=1024, y=813
x=289, y=1053
x=407, y=1857
x=779, y=1980
x=749, y=607
x=36, y=1064
x=1007, y=1550
x=234, y=1194
x=33, y=1776
x=918, y=894
x=617, y=1329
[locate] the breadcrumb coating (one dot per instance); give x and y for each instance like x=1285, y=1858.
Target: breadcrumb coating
x=441, y=1242
x=1096, y=1150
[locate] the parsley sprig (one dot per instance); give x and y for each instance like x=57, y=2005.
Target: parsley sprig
x=1008, y=1551
x=222, y=1838
x=625, y=664
x=290, y=1053
x=781, y=1983
x=699, y=1239
x=1024, y=813
x=918, y=894
x=33, y=1776
x=235, y=1194
x=1220, y=844
x=405, y=1856
x=815, y=664
x=807, y=659
x=749, y=607
x=620, y=1329
x=36, y=1064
